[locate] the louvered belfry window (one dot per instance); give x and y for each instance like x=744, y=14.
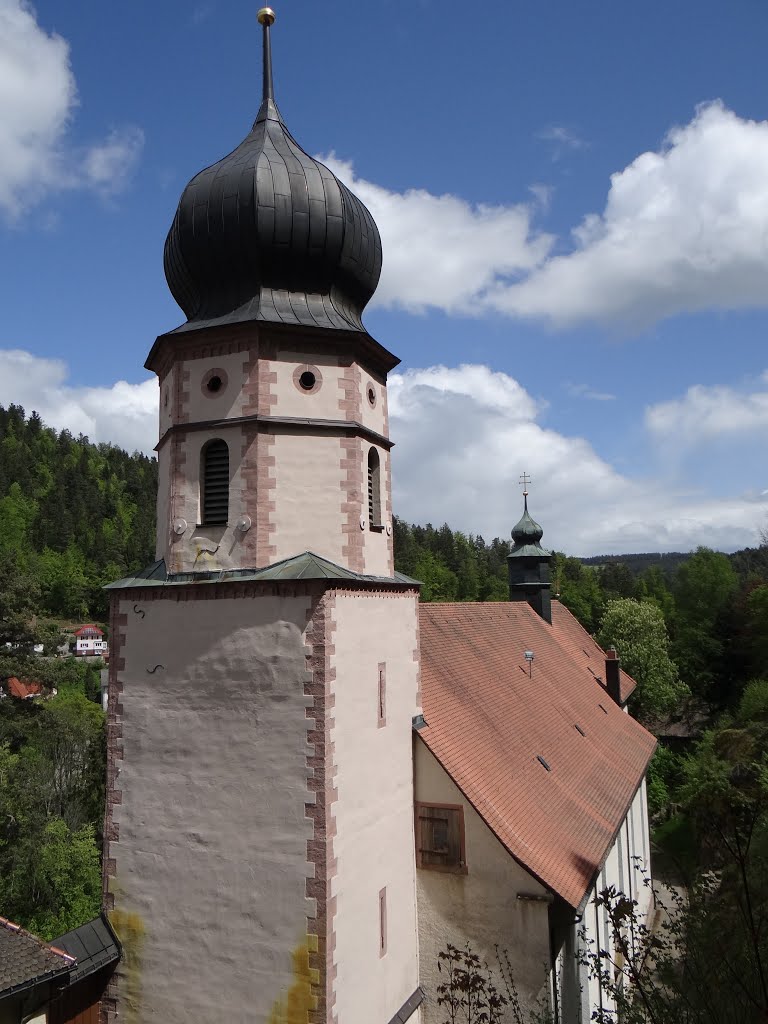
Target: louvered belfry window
x=374, y=488
x=440, y=837
x=215, y=481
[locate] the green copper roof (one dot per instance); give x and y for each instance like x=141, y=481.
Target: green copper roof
x=307, y=566
x=526, y=535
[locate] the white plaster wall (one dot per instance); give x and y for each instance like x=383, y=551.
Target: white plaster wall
x=374, y=844
x=322, y=404
x=167, y=385
x=228, y=402
x=480, y=907
x=308, y=496
x=374, y=417
x=163, y=499
x=212, y=832
x=377, y=544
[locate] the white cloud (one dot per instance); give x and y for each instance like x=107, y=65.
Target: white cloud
x=109, y=165
x=585, y=391
x=38, y=95
x=442, y=251
x=684, y=229
x=463, y=437
x=124, y=414
x=705, y=414
x=561, y=139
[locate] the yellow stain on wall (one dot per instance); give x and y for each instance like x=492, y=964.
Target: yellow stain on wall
x=295, y=1007
x=129, y=928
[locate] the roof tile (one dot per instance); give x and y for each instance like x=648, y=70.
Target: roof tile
x=489, y=719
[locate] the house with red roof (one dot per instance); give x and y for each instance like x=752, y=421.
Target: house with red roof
x=529, y=787
x=90, y=642
x=21, y=689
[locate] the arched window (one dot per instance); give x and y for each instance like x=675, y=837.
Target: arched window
x=374, y=489
x=214, y=479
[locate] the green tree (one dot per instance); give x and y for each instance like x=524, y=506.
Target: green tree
x=438, y=582
x=704, y=592
x=638, y=632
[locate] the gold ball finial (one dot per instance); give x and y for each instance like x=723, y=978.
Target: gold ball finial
x=266, y=16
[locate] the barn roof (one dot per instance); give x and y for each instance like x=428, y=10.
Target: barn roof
x=547, y=759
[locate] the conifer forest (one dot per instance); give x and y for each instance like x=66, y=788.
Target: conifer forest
x=692, y=628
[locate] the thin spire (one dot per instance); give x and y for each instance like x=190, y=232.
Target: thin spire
x=525, y=480
x=268, y=109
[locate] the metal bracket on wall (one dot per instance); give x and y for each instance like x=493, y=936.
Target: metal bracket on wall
x=139, y=611
x=151, y=671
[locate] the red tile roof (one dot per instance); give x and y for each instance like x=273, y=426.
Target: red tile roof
x=585, y=649
x=488, y=722
x=89, y=630
x=21, y=689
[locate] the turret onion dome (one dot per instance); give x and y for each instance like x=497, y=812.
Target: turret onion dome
x=269, y=233
x=527, y=534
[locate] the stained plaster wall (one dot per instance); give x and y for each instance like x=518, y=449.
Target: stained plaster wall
x=203, y=547
x=373, y=810
x=480, y=907
x=211, y=853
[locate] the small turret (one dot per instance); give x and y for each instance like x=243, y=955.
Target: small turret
x=529, y=563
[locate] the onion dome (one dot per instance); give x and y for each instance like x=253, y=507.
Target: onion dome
x=270, y=234
x=527, y=534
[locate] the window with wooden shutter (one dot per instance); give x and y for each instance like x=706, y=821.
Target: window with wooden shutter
x=215, y=483
x=440, y=837
x=374, y=489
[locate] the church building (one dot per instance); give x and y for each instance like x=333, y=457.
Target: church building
x=314, y=782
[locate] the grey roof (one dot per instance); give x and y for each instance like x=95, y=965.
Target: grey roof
x=306, y=566
x=94, y=944
x=270, y=234
x=26, y=961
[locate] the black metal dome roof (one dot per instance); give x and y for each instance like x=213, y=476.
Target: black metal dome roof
x=268, y=233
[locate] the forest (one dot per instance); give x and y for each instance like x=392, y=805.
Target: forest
x=692, y=628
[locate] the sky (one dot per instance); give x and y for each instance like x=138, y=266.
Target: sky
x=573, y=204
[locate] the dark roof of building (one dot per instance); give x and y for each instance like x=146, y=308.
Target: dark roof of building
x=268, y=233
x=306, y=566
x=93, y=944
x=547, y=759
x=26, y=961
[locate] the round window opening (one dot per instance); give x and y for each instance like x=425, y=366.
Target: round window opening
x=215, y=384
x=307, y=380
x=371, y=396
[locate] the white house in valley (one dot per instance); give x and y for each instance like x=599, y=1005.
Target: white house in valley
x=320, y=780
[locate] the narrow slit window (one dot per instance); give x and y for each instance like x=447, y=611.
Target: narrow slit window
x=215, y=483
x=382, y=921
x=374, y=488
x=382, y=694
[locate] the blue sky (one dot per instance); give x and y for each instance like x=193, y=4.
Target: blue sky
x=573, y=201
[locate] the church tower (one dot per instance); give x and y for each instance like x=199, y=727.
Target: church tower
x=259, y=849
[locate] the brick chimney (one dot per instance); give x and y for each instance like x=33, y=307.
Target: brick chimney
x=613, y=675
